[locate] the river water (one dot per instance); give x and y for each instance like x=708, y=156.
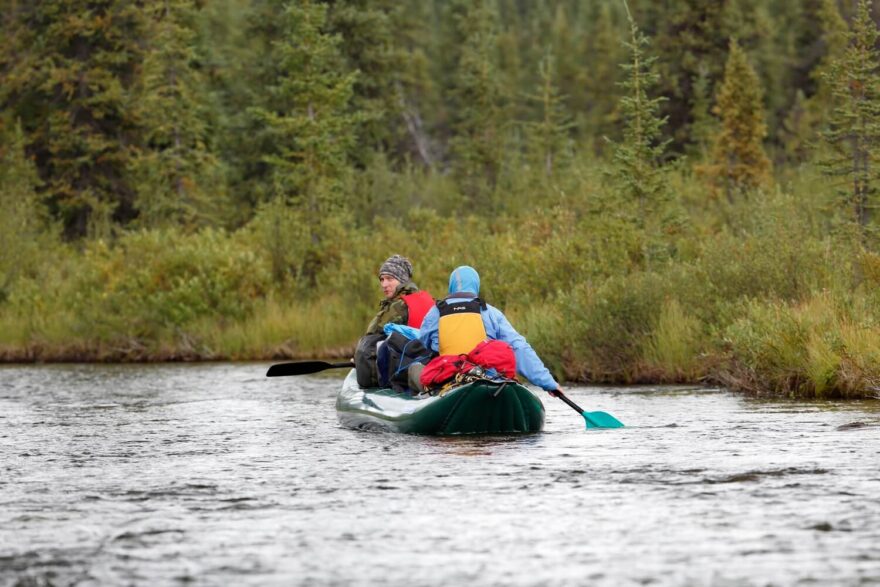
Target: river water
x=216, y=475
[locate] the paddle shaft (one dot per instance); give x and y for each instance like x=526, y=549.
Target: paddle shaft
x=573, y=405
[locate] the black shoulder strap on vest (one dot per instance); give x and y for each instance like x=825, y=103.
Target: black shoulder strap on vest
x=473, y=306
x=442, y=303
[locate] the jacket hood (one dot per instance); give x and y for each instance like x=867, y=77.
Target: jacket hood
x=464, y=279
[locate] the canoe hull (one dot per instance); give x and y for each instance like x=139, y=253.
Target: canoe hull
x=475, y=408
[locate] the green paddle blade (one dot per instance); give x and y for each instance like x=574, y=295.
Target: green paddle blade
x=601, y=420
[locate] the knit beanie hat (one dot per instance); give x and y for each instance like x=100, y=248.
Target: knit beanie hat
x=397, y=267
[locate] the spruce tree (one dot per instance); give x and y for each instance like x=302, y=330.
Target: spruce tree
x=749, y=23
x=477, y=101
x=24, y=230
x=780, y=57
x=312, y=125
x=567, y=53
x=639, y=207
x=854, y=130
x=691, y=34
x=564, y=44
x=703, y=125
x=246, y=90
x=799, y=129
x=549, y=138
x=596, y=109
x=370, y=48
x=638, y=157
x=739, y=163
x=178, y=177
x=834, y=37
x=513, y=68
x=66, y=70
x=419, y=84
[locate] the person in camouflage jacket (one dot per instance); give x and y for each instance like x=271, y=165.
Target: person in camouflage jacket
x=395, y=279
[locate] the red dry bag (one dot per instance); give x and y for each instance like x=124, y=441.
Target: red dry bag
x=441, y=369
x=495, y=354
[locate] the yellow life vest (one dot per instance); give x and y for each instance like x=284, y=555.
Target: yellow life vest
x=460, y=326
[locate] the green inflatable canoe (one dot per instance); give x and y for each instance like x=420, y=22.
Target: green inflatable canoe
x=481, y=407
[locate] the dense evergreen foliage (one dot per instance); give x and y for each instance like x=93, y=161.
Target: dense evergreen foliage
x=739, y=163
x=653, y=191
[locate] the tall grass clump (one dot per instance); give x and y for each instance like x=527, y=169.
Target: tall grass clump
x=287, y=328
x=608, y=324
x=859, y=372
x=545, y=328
x=816, y=348
x=674, y=347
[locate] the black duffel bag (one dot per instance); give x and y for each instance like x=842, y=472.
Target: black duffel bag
x=365, y=360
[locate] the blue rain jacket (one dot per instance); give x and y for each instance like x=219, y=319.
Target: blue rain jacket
x=466, y=281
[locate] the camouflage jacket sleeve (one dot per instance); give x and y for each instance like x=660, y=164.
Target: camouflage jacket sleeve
x=390, y=311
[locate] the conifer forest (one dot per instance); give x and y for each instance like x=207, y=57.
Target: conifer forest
x=652, y=191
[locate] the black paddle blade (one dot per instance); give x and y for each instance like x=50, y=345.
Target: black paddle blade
x=302, y=368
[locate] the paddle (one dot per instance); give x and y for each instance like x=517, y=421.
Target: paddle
x=303, y=368
x=594, y=419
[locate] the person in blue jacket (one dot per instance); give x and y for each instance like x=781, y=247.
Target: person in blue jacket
x=464, y=286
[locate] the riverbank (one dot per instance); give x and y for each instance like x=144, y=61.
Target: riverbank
x=771, y=302
x=807, y=351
